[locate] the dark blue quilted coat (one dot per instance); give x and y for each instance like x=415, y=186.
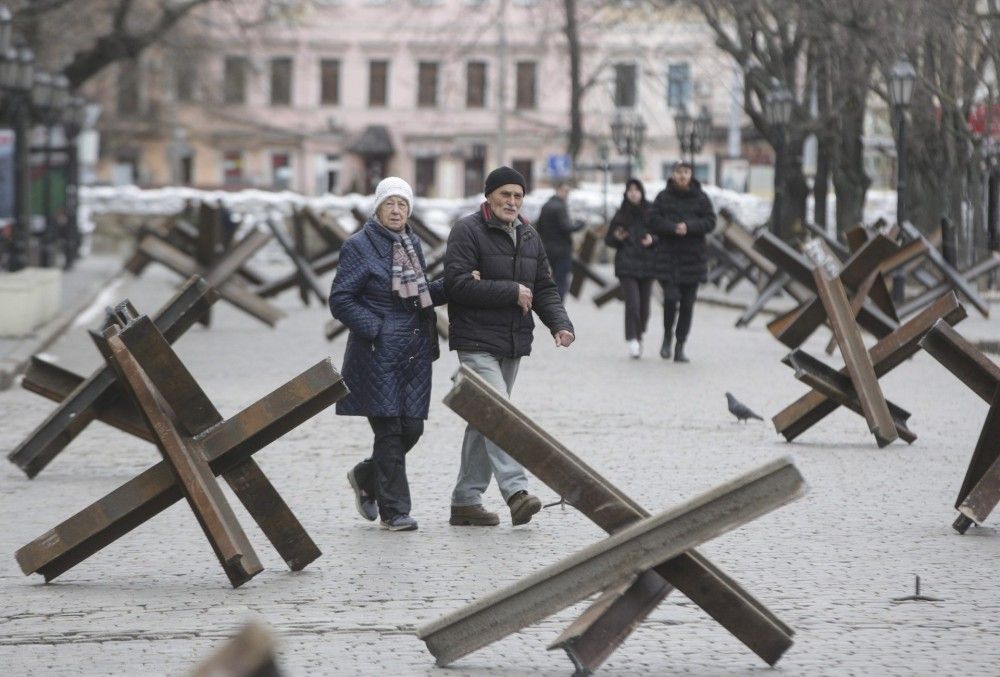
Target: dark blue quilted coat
x=390, y=347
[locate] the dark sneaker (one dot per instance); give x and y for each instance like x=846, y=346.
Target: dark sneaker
x=665, y=348
x=400, y=523
x=472, y=516
x=679, y=355
x=522, y=506
x=362, y=501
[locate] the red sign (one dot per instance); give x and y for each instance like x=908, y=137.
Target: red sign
x=983, y=117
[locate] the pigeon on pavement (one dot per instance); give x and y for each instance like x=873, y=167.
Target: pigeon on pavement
x=741, y=411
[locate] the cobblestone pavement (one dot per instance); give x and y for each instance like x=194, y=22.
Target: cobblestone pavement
x=157, y=601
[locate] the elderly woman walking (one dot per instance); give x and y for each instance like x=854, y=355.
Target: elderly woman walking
x=381, y=295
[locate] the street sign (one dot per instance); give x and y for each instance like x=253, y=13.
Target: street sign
x=558, y=166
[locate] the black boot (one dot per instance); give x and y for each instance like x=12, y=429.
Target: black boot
x=679, y=355
x=665, y=348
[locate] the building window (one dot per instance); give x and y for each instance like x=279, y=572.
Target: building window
x=281, y=81
x=378, y=83
x=475, y=84
x=281, y=171
x=526, y=75
x=232, y=167
x=128, y=87
x=427, y=84
x=679, y=84
x=185, y=79
x=426, y=173
x=625, y=85
x=328, y=168
x=525, y=167
x=234, y=87
x=329, y=82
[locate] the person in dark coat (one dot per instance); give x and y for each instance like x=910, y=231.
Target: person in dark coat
x=381, y=295
x=633, y=261
x=556, y=230
x=681, y=217
x=496, y=272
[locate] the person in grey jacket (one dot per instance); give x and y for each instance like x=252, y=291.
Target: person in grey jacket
x=496, y=272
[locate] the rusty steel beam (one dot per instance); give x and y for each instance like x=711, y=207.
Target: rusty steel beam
x=772, y=289
x=307, y=277
x=838, y=387
x=987, y=265
x=622, y=556
x=856, y=359
x=224, y=446
x=612, y=293
x=195, y=413
x=581, y=265
x=194, y=477
x=320, y=266
x=582, y=487
x=231, y=290
x=97, y=394
x=606, y=624
x=888, y=353
x=955, y=278
x=963, y=359
x=980, y=491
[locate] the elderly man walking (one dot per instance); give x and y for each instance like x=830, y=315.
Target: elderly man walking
x=495, y=274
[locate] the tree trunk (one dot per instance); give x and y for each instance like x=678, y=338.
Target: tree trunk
x=575, y=141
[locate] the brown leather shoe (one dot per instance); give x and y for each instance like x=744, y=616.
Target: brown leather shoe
x=522, y=506
x=472, y=516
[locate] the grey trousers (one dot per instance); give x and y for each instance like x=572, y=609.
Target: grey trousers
x=481, y=459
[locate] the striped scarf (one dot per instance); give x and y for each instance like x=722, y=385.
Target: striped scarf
x=408, y=280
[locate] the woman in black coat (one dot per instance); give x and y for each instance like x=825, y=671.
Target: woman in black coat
x=633, y=261
x=681, y=217
x=381, y=295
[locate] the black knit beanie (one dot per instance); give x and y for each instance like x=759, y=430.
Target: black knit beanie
x=501, y=176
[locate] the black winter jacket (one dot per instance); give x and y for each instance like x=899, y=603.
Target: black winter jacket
x=556, y=229
x=681, y=259
x=483, y=314
x=631, y=258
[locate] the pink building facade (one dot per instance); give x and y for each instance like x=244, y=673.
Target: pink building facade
x=338, y=93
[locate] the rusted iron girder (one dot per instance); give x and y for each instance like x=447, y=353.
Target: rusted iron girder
x=226, y=446
x=308, y=280
x=980, y=491
x=987, y=265
x=856, y=359
x=220, y=274
x=796, y=326
x=93, y=397
x=955, y=278
x=623, y=556
x=582, y=487
x=888, y=353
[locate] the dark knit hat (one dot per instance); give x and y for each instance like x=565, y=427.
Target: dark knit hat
x=501, y=176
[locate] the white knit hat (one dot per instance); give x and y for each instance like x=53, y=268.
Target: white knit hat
x=392, y=186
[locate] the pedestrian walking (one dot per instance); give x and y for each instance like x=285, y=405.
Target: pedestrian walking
x=496, y=273
x=556, y=230
x=680, y=218
x=381, y=294
x=634, y=263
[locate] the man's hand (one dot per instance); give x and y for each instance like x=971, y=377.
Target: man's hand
x=620, y=233
x=647, y=240
x=563, y=338
x=682, y=229
x=524, y=298
x=475, y=275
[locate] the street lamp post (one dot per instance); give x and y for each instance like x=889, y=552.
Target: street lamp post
x=902, y=78
x=628, y=136
x=692, y=131
x=778, y=111
x=49, y=96
x=72, y=124
x=16, y=78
